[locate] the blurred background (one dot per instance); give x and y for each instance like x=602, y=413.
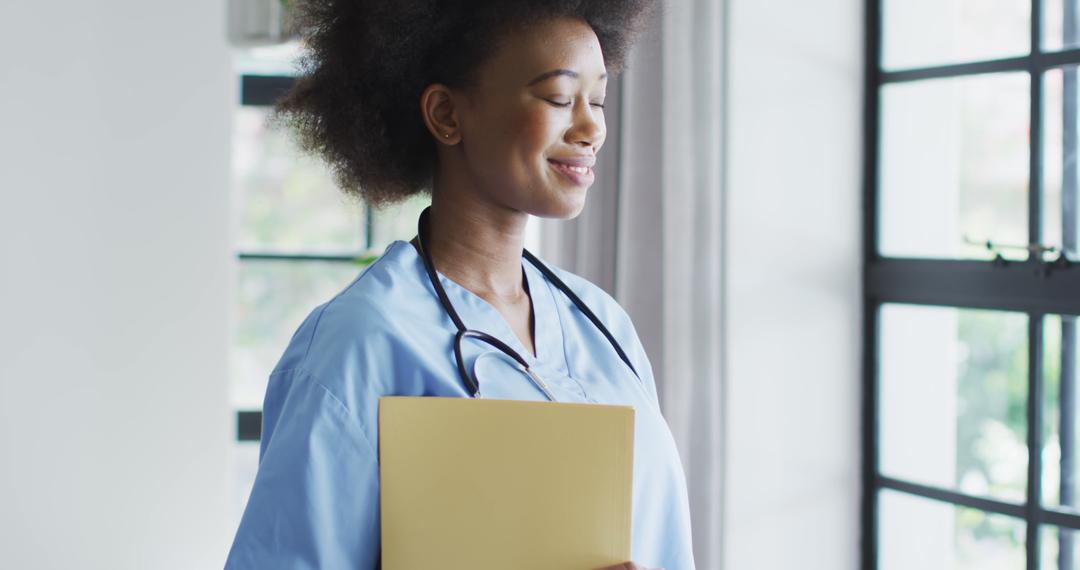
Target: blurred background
x=846, y=231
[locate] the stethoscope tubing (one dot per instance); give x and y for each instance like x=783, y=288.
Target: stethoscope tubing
x=463, y=332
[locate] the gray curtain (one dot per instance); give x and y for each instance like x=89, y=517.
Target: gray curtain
x=652, y=235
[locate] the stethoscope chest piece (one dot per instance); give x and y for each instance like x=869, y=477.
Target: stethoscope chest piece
x=494, y=366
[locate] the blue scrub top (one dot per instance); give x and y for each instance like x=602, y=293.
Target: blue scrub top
x=315, y=501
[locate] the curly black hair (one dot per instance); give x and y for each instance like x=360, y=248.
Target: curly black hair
x=366, y=63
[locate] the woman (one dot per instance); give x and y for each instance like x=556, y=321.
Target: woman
x=496, y=108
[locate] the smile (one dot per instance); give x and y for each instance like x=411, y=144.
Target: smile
x=580, y=175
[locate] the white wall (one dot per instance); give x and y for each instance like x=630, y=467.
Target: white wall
x=793, y=202
x=114, y=295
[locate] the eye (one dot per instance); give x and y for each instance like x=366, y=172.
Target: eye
x=567, y=104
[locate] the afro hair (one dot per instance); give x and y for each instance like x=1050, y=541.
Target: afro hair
x=356, y=102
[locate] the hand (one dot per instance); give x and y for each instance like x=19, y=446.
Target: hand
x=629, y=566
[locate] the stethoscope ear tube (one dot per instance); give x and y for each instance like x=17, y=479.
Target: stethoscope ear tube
x=430, y=268
x=582, y=306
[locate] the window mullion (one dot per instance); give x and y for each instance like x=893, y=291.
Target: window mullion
x=1035, y=144
x=1034, y=439
x=369, y=231
x=871, y=123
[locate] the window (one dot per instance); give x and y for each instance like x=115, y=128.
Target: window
x=971, y=285
x=299, y=241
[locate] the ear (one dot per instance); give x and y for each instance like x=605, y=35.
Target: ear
x=439, y=110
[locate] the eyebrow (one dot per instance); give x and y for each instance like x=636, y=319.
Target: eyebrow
x=557, y=72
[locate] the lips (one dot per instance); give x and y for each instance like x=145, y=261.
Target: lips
x=586, y=161
x=577, y=170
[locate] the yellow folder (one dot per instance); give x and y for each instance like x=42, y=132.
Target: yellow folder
x=504, y=484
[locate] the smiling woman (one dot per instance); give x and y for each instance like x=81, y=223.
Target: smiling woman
x=525, y=131
x=496, y=110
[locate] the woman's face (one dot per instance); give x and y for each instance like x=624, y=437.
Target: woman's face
x=532, y=126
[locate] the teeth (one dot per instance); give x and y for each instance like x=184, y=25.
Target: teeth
x=569, y=167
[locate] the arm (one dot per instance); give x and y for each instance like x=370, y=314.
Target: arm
x=315, y=502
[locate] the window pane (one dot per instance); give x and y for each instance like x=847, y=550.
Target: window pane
x=1055, y=14
x=1060, y=345
x=954, y=166
x=287, y=201
x=953, y=394
x=930, y=535
x=1061, y=216
x=1057, y=541
x=921, y=33
x=273, y=297
x=278, y=59
x=396, y=222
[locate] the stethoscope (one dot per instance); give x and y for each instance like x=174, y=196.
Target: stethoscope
x=463, y=332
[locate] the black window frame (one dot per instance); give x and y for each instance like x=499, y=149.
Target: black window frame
x=1033, y=286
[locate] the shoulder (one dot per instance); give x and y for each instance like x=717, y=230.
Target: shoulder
x=606, y=308
x=361, y=326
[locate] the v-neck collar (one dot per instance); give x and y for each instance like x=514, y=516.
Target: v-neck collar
x=478, y=314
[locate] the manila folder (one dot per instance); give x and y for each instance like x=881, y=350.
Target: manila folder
x=504, y=484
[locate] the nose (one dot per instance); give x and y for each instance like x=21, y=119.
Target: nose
x=588, y=128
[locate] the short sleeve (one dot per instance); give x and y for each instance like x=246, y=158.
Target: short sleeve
x=315, y=501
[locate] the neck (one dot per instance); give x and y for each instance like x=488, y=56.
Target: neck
x=478, y=245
